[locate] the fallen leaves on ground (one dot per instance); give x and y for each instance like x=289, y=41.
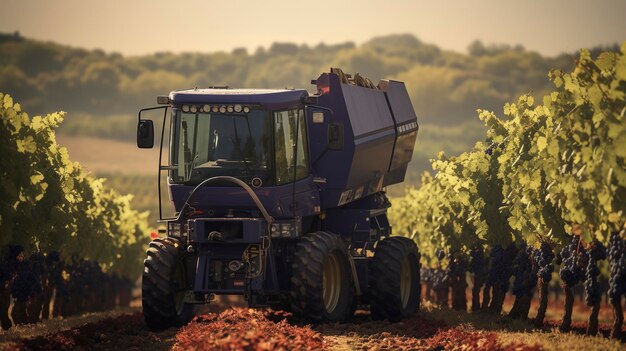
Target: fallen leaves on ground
x=247, y=329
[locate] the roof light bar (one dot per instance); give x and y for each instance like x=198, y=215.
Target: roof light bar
x=215, y=108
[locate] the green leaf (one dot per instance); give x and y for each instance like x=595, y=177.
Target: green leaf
x=26, y=145
x=37, y=123
x=542, y=143
x=36, y=178
x=8, y=102
x=606, y=60
x=558, y=82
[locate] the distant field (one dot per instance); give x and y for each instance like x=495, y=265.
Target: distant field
x=110, y=156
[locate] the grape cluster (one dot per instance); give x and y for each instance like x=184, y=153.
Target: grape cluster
x=10, y=262
x=27, y=282
x=477, y=260
x=500, y=266
x=426, y=275
x=522, y=267
x=617, y=259
x=534, y=268
x=434, y=278
x=597, y=252
x=457, y=266
x=543, y=257
x=440, y=254
x=574, y=259
x=496, y=256
x=439, y=279
x=80, y=286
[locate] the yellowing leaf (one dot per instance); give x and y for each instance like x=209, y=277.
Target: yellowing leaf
x=7, y=102
x=542, y=143
x=26, y=145
x=68, y=185
x=553, y=148
x=606, y=60
x=36, y=178
x=614, y=217
x=14, y=119
x=37, y=123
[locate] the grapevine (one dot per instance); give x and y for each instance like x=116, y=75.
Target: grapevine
x=52, y=212
x=548, y=178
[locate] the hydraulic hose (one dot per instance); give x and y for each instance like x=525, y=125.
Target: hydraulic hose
x=269, y=219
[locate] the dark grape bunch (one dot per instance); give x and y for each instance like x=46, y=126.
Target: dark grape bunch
x=27, y=282
x=543, y=258
x=597, y=252
x=426, y=275
x=617, y=259
x=522, y=270
x=440, y=254
x=438, y=275
x=574, y=259
x=457, y=266
x=534, y=268
x=501, y=265
x=477, y=260
x=496, y=257
x=439, y=279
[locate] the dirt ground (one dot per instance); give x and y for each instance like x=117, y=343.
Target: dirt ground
x=222, y=327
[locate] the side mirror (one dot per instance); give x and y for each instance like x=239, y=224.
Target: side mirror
x=145, y=134
x=335, y=136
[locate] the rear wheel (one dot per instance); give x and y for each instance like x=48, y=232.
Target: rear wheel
x=322, y=288
x=164, y=285
x=395, y=279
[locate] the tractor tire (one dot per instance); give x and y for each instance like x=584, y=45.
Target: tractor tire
x=394, y=285
x=322, y=288
x=163, y=284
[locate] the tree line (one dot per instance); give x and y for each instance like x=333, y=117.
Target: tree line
x=445, y=86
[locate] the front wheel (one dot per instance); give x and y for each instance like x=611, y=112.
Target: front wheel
x=322, y=288
x=395, y=279
x=164, y=283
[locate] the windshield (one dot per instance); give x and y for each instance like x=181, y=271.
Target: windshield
x=213, y=144
x=257, y=144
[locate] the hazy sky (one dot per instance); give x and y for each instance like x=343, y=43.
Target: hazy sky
x=145, y=26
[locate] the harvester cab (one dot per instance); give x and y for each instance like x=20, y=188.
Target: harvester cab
x=279, y=197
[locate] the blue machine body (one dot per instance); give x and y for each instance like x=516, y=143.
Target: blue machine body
x=359, y=140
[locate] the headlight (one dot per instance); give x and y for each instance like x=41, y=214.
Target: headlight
x=173, y=229
x=280, y=230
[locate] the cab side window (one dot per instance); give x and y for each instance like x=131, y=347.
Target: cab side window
x=290, y=145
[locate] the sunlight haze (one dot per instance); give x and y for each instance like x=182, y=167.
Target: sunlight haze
x=142, y=27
